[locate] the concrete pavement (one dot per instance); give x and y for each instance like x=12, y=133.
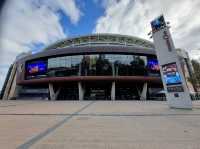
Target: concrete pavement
x=98, y=124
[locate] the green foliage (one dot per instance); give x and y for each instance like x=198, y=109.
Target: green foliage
x=196, y=76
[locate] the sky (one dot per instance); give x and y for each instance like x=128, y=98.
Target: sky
x=31, y=25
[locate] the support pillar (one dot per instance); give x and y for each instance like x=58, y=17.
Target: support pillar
x=143, y=95
x=113, y=69
x=53, y=94
x=13, y=90
x=80, y=91
x=10, y=88
x=113, y=91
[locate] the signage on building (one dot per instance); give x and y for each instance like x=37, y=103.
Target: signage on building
x=171, y=74
x=175, y=89
x=158, y=24
x=166, y=38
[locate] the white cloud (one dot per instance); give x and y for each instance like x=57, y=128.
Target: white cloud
x=26, y=22
x=132, y=17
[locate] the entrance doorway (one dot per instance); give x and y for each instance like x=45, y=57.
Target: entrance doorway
x=97, y=91
x=126, y=91
x=68, y=92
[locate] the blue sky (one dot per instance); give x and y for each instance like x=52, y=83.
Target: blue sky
x=31, y=25
x=87, y=22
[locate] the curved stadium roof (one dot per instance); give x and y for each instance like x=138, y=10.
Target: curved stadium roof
x=101, y=39
x=93, y=41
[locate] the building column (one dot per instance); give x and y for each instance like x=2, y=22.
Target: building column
x=53, y=94
x=10, y=88
x=13, y=90
x=80, y=91
x=113, y=69
x=143, y=95
x=113, y=91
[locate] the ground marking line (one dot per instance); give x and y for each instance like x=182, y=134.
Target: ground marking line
x=14, y=105
x=103, y=114
x=7, y=106
x=41, y=135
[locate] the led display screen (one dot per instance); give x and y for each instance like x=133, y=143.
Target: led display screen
x=152, y=64
x=36, y=68
x=158, y=23
x=171, y=74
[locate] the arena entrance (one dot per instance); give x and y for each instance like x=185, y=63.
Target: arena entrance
x=100, y=90
x=128, y=91
x=97, y=91
x=103, y=90
x=68, y=91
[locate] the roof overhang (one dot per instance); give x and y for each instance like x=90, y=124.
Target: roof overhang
x=114, y=49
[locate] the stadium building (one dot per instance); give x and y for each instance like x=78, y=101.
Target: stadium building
x=99, y=66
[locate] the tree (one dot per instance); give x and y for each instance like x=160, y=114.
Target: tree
x=195, y=80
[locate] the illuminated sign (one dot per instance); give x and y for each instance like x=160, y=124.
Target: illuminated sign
x=152, y=64
x=158, y=23
x=171, y=74
x=36, y=68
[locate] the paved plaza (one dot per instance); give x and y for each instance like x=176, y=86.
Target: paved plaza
x=98, y=125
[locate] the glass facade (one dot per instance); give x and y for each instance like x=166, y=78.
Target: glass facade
x=64, y=66
x=98, y=65
x=95, y=65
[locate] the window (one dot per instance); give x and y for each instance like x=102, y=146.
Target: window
x=101, y=65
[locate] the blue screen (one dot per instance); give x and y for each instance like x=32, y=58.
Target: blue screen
x=36, y=68
x=158, y=23
x=152, y=64
x=171, y=74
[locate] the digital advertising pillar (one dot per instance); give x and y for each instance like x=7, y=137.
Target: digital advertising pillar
x=173, y=79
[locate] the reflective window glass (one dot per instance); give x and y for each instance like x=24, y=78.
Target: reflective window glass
x=99, y=65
